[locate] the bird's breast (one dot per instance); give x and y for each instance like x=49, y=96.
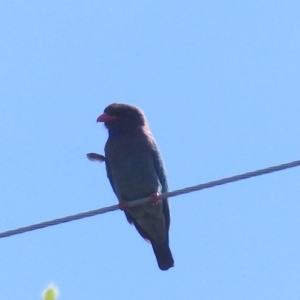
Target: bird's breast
x=132, y=171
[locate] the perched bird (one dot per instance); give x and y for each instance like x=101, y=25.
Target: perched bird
x=135, y=170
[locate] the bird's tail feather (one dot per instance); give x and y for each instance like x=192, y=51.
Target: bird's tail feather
x=163, y=255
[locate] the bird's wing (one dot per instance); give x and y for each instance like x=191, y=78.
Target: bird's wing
x=160, y=169
x=162, y=177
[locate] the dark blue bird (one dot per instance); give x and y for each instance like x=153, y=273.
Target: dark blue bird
x=135, y=170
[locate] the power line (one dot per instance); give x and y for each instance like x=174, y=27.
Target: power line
x=146, y=199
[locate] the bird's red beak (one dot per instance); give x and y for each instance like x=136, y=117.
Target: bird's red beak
x=106, y=118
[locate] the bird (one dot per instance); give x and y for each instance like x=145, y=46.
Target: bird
x=136, y=170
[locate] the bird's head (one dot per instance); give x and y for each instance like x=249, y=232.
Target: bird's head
x=119, y=117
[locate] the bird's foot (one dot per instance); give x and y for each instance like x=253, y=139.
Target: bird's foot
x=123, y=205
x=154, y=198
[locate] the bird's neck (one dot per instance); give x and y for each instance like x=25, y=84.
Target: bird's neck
x=120, y=132
x=114, y=133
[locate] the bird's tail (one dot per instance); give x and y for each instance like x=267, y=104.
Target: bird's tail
x=163, y=255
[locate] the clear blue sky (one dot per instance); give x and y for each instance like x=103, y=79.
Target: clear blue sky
x=219, y=83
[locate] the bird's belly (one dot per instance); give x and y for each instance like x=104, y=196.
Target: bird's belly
x=135, y=181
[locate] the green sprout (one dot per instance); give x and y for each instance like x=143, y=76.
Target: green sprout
x=50, y=293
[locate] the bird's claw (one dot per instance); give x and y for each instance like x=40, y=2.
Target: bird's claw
x=123, y=205
x=154, y=198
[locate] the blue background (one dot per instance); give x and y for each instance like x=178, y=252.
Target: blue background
x=219, y=83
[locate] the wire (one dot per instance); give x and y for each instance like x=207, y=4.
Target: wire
x=144, y=200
